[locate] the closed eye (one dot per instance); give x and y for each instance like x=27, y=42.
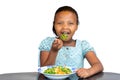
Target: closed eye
x=70, y=23
x=59, y=23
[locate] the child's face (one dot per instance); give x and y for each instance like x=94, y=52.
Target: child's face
x=65, y=22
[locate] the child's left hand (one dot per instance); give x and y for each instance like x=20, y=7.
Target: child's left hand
x=83, y=73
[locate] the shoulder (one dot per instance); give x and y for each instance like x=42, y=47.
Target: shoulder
x=85, y=45
x=47, y=41
x=82, y=42
x=85, y=42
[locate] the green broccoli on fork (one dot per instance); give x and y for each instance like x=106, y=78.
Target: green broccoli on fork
x=64, y=36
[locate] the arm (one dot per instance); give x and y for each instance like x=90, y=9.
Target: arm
x=96, y=66
x=49, y=57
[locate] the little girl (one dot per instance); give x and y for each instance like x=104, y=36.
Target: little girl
x=64, y=50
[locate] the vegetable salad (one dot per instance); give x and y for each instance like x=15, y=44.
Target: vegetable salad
x=58, y=70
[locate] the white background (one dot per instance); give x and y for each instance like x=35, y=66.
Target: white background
x=24, y=23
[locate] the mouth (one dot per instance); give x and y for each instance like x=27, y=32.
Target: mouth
x=64, y=35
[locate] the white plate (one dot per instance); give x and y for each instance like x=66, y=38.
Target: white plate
x=55, y=76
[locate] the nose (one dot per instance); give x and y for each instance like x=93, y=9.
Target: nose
x=65, y=26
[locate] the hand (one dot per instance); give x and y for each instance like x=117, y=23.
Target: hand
x=57, y=44
x=83, y=73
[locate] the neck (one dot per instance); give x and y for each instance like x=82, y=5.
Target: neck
x=69, y=43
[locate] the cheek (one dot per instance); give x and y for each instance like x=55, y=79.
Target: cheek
x=57, y=30
x=74, y=28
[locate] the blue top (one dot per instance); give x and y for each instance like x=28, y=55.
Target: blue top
x=68, y=55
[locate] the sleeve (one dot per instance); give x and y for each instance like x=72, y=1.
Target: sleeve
x=46, y=44
x=86, y=47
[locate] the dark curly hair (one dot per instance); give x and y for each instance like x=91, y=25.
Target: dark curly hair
x=65, y=8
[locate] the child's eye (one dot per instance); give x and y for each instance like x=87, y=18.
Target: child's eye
x=71, y=23
x=59, y=23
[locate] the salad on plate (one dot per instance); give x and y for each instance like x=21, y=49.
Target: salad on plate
x=56, y=72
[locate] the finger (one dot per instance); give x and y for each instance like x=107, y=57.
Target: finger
x=59, y=41
x=55, y=41
x=82, y=75
x=80, y=72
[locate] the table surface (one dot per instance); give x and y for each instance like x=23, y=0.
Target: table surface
x=37, y=76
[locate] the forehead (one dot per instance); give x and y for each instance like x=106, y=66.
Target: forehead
x=65, y=14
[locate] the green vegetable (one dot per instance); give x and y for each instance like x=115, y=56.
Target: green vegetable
x=58, y=70
x=50, y=71
x=64, y=36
